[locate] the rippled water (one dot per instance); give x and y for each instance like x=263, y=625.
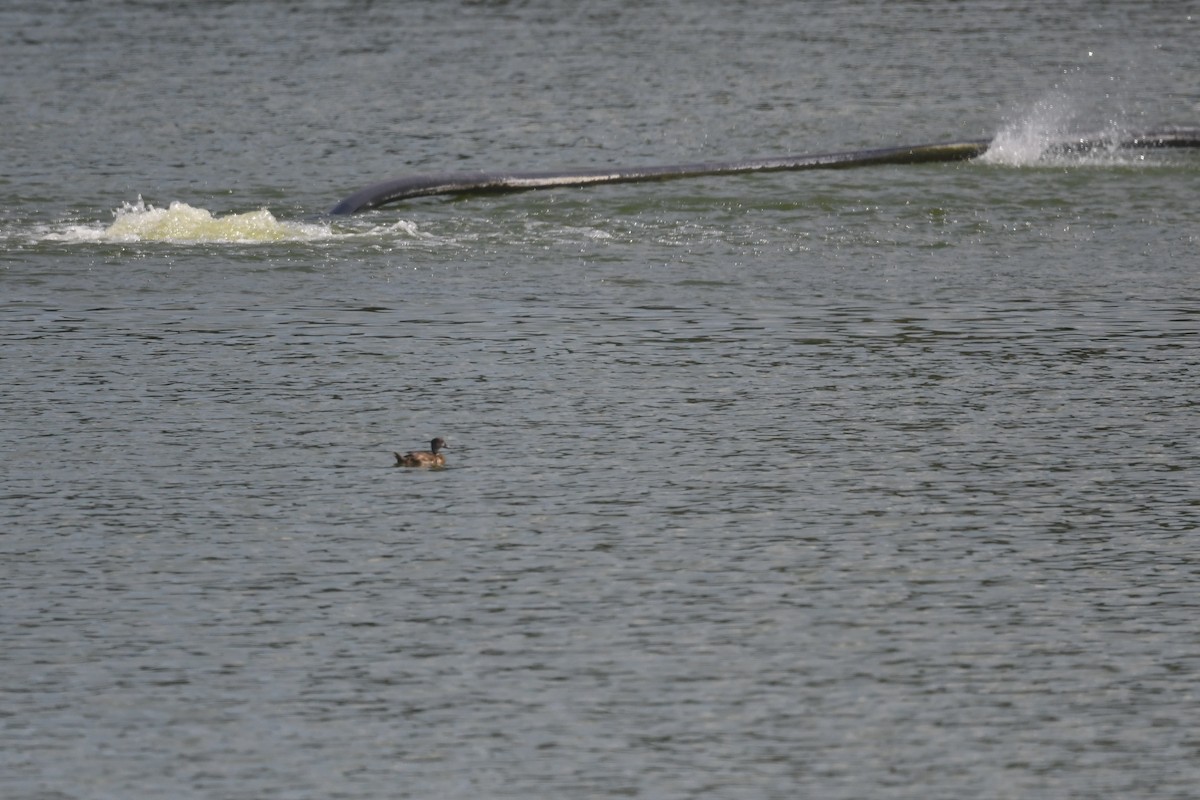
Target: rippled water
x=874, y=483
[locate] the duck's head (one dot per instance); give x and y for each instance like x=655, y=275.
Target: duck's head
x=437, y=444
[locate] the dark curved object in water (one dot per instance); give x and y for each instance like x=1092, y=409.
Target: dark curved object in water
x=450, y=183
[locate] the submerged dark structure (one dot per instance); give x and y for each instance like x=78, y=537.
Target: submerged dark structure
x=456, y=183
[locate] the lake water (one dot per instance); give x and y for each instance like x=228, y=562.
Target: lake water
x=867, y=483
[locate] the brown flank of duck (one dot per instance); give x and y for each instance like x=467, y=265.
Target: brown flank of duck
x=424, y=458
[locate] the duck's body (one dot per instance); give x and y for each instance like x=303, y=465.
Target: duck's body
x=424, y=458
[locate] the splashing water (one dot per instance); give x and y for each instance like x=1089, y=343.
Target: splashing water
x=1042, y=135
x=179, y=222
x=1027, y=140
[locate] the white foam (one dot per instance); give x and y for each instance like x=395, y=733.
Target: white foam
x=181, y=222
x=185, y=224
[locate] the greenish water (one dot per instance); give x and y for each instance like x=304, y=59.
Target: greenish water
x=874, y=483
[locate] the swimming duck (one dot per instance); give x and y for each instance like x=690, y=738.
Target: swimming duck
x=424, y=458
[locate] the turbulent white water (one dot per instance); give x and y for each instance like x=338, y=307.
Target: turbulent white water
x=181, y=222
x=1036, y=136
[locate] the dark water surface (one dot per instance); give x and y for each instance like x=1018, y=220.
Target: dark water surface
x=875, y=483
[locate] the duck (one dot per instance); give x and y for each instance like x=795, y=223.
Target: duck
x=424, y=458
